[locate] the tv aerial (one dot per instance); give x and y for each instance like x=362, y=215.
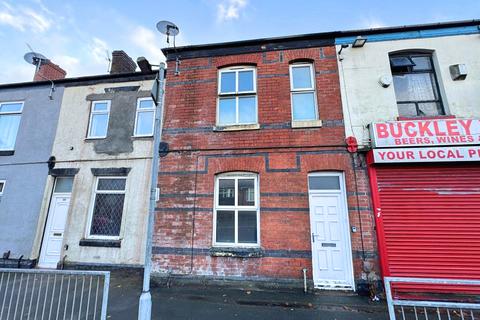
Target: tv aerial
x=170, y=29
x=107, y=58
x=37, y=59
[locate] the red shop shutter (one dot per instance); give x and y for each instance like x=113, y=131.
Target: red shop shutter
x=431, y=220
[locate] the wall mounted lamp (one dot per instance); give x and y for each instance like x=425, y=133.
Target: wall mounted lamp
x=359, y=42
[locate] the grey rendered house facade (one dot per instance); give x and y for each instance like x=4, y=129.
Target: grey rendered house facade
x=103, y=150
x=28, y=122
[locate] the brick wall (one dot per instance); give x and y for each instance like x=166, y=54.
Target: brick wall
x=122, y=63
x=49, y=71
x=281, y=156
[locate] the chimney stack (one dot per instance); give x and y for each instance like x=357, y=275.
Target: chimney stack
x=49, y=71
x=122, y=63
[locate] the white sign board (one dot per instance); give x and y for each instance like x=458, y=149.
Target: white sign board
x=425, y=133
x=439, y=154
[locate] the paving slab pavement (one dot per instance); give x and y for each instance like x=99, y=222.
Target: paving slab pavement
x=197, y=302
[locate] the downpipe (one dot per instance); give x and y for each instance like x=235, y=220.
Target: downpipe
x=145, y=301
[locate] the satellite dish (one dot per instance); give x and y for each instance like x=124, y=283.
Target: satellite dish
x=35, y=58
x=168, y=28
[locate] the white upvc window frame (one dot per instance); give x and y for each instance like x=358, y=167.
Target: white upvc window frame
x=3, y=183
x=93, y=112
x=237, y=94
x=5, y=113
x=311, y=89
x=92, y=208
x=216, y=207
x=138, y=111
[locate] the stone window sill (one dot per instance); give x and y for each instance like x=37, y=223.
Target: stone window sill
x=7, y=152
x=100, y=243
x=94, y=139
x=237, y=127
x=307, y=124
x=142, y=137
x=236, y=252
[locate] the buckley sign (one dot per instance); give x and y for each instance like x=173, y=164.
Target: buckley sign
x=425, y=133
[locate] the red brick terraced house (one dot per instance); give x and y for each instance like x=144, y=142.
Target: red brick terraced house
x=258, y=183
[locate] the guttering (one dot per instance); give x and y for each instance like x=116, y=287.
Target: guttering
x=88, y=80
x=297, y=41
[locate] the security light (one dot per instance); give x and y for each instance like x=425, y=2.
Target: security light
x=359, y=42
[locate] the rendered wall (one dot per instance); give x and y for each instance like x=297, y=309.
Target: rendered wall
x=365, y=100
x=26, y=171
x=120, y=149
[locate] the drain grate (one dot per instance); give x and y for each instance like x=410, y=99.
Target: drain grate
x=197, y=298
x=294, y=305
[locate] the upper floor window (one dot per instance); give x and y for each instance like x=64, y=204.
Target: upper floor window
x=145, y=117
x=302, y=87
x=2, y=186
x=236, y=216
x=10, y=114
x=416, y=86
x=99, y=116
x=237, y=96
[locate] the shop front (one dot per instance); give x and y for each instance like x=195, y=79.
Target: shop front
x=425, y=180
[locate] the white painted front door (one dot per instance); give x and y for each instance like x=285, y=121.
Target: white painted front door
x=54, y=230
x=330, y=238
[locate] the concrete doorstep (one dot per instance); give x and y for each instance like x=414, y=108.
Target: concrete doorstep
x=212, y=302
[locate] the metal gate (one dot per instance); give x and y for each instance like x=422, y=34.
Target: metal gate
x=405, y=304
x=53, y=294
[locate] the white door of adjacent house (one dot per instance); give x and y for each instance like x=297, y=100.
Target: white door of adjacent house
x=330, y=232
x=55, y=227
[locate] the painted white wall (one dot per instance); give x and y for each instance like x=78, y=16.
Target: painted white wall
x=365, y=100
x=73, y=151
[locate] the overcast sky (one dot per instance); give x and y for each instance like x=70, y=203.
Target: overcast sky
x=78, y=34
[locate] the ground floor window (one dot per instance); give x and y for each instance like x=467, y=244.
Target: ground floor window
x=107, y=207
x=236, y=214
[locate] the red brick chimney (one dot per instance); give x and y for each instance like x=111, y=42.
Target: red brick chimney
x=122, y=63
x=49, y=71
